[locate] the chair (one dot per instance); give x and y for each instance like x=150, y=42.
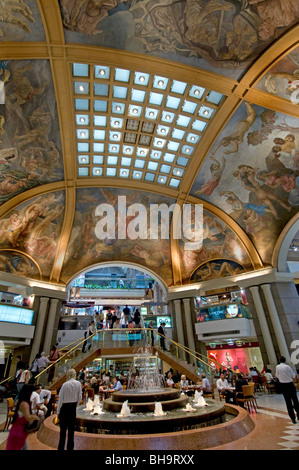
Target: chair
x=53, y=401
x=248, y=397
x=9, y=413
x=257, y=381
x=90, y=393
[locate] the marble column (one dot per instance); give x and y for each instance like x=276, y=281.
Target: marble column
x=263, y=324
x=189, y=326
x=283, y=348
x=40, y=322
x=50, y=325
x=179, y=325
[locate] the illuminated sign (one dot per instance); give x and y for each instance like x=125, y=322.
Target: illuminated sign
x=11, y=314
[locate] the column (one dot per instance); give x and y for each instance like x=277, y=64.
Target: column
x=40, y=321
x=283, y=348
x=179, y=325
x=263, y=324
x=50, y=325
x=189, y=326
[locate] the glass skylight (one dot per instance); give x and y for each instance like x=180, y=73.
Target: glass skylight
x=130, y=124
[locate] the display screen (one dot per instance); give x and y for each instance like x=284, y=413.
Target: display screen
x=166, y=320
x=220, y=312
x=143, y=310
x=16, y=314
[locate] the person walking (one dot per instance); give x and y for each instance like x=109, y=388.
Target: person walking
x=70, y=396
x=17, y=438
x=285, y=375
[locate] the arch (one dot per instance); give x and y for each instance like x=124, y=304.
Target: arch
x=128, y=265
x=280, y=253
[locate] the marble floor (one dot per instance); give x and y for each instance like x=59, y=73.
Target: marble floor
x=273, y=428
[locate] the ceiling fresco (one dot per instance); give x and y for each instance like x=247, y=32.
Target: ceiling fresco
x=252, y=173
x=217, y=35
x=215, y=81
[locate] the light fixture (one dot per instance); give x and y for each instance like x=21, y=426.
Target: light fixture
x=192, y=138
x=141, y=79
x=206, y=112
x=102, y=72
x=135, y=111
x=82, y=119
x=116, y=123
x=124, y=172
x=168, y=117
x=137, y=175
x=160, y=83
x=114, y=148
x=97, y=171
x=82, y=134
x=162, y=180
x=118, y=108
x=83, y=159
x=178, y=172
x=115, y=136
x=163, y=130
x=151, y=113
x=187, y=150
x=196, y=92
x=81, y=88
x=159, y=142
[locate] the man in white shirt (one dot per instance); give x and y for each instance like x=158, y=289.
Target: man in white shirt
x=285, y=375
x=70, y=396
x=222, y=387
x=37, y=407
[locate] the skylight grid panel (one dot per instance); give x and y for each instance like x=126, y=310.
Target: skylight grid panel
x=80, y=70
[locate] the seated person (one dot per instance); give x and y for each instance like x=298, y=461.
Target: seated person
x=117, y=386
x=206, y=386
x=184, y=383
x=169, y=381
x=222, y=385
x=239, y=391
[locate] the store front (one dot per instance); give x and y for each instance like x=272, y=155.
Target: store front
x=238, y=356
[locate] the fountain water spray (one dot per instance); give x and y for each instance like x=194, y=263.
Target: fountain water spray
x=125, y=410
x=158, y=409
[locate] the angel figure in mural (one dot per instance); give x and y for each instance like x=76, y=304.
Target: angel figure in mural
x=10, y=12
x=233, y=200
x=236, y=138
x=21, y=266
x=23, y=90
x=216, y=170
x=246, y=174
x=83, y=16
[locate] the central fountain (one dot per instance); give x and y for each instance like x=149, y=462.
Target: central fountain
x=147, y=409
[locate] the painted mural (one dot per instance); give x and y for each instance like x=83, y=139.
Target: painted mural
x=223, y=35
x=30, y=147
x=217, y=268
x=252, y=173
x=219, y=243
x=86, y=248
x=15, y=262
x=20, y=21
x=32, y=229
x=283, y=78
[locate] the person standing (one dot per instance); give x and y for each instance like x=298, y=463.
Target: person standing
x=126, y=312
x=151, y=328
x=70, y=396
x=162, y=336
x=285, y=375
x=17, y=438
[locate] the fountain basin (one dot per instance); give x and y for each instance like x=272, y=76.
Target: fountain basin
x=145, y=402
x=239, y=425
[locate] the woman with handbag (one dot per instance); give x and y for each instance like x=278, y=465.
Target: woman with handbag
x=22, y=421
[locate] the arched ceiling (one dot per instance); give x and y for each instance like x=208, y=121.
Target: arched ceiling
x=160, y=102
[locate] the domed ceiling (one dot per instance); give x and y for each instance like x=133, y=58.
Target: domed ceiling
x=157, y=102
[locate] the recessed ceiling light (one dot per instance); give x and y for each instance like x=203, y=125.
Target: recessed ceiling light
x=115, y=136
x=81, y=88
x=162, y=180
x=128, y=150
x=114, y=148
x=196, y=92
x=97, y=171
x=124, y=172
x=160, y=83
x=116, y=123
x=156, y=154
x=206, y=112
x=159, y=142
x=137, y=174
x=178, y=172
x=142, y=152
x=141, y=79
x=102, y=72
x=82, y=119
x=151, y=113
x=187, y=150
x=163, y=131
x=167, y=117
x=83, y=159
x=135, y=111
x=192, y=138
x=118, y=108
x=83, y=134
